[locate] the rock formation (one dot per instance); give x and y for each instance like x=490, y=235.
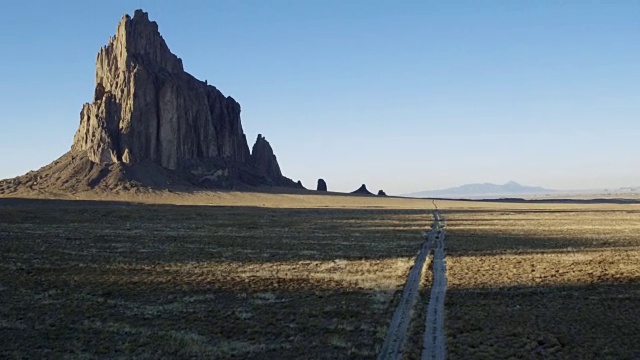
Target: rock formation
x=146, y=107
x=322, y=185
x=148, y=113
x=263, y=159
x=362, y=190
x=381, y=193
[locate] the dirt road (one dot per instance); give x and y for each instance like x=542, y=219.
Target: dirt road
x=397, y=332
x=434, y=337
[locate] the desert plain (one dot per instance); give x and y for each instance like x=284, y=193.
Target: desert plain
x=263, y=276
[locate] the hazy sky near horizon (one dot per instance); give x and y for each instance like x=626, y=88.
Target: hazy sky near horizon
x=403, y=96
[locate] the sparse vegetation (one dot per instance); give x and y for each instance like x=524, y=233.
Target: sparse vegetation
x=149, y=281
x=294, y=276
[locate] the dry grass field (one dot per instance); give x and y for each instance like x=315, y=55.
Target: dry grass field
x=95, y=278
x=227, y=275
x=548, y=281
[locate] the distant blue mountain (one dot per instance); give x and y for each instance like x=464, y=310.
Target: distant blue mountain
x=485, y=190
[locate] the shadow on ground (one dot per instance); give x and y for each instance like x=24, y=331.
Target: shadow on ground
x=113, y=279
x=565, y=321
x=516, y=231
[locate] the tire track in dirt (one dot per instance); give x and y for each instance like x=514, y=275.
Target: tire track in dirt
x=434, y=347
x=397, y=332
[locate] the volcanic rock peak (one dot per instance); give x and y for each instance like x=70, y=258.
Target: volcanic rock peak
x=152, y=124
x=146, y=108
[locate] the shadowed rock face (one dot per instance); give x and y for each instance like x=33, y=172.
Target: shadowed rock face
x=362, y=190
x=146, y=108
x=382, y=193
x=322, y=185
x=263, y=159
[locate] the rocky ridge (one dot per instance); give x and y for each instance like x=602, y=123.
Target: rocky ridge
x=362, y=190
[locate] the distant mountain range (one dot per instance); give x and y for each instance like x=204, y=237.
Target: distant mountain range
x=485, y=191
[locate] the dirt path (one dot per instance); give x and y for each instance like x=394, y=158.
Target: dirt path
x=434, y=337
x=396, y=334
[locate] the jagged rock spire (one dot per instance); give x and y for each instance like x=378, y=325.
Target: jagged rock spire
x=146, y=107
x=263, y=159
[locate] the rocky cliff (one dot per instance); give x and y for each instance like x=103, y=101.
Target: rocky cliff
x=147, y=112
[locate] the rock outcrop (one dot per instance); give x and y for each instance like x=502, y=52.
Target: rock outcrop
x=322, y=185
x=263, y=160
x=147, y=112
x=382, y=193
x=362, y=190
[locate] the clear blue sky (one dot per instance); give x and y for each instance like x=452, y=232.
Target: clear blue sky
x=403, y=96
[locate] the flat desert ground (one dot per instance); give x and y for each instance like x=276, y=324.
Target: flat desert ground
x=264, y=276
